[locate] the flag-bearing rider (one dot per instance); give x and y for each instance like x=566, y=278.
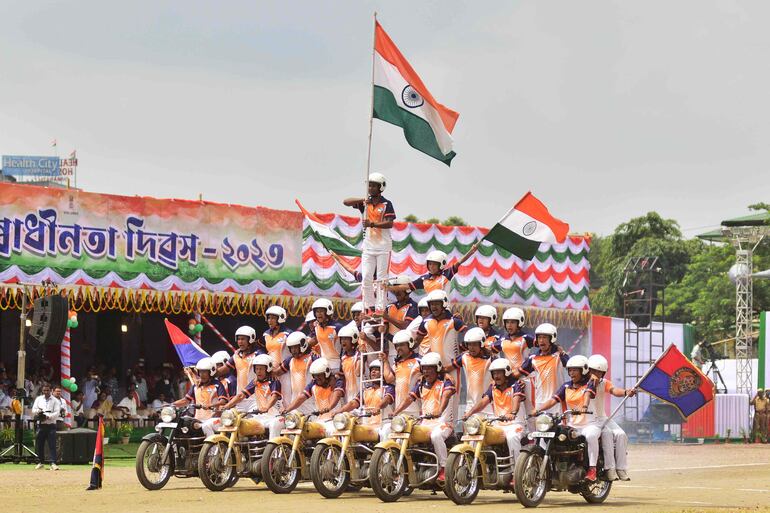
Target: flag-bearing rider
x=325, y=389
x=379, y=215
x=614, y=439
x=323, y=337
x=435, y=393
x=506, y=396
x=208, y=393
x=266, y=392
x=576, y=394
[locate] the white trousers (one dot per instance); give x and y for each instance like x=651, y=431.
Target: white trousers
x=210, y=426
x=591, y=432
x=370, y=262
x=273, y=423
x=614, y=446
x=438, y=437
x=513, y=436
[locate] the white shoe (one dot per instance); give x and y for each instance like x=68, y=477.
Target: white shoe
x=611, y=475
x=38, y=466
x=54, y=466
x=623, y=475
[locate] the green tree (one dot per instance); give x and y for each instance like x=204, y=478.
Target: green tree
x=454, y=221
x=433, y=220
x=411, y=218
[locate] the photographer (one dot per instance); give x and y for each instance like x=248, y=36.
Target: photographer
x=46, y=409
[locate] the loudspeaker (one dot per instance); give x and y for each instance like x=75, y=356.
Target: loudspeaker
x=49, y=319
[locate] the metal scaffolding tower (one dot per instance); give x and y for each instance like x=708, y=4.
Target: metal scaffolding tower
x=745, y=240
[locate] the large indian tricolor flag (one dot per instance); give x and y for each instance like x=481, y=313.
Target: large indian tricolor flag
x=525, y=226
x=402, y=99
x=330, y=239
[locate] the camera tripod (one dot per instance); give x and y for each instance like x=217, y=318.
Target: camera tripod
x=18, y=452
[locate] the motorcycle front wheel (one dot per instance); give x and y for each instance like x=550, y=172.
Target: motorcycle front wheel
x=149, y=470
x=276, y=473
x=216, y=473
x=329, y=479
x=460, y=486
x=387, y=479
x=596, y=492
x=530, y=489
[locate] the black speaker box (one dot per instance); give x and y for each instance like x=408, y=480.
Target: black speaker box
x=49, y=319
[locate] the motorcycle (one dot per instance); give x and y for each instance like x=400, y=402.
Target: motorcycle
x=481, y=461
x=561, y=465
x=286, y=458
x=406, y=460
x=235, y=451
x=341, y=462
x=172, y=450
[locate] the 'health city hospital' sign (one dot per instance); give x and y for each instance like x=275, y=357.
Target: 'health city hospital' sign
x=66, y=229
x=32, y=167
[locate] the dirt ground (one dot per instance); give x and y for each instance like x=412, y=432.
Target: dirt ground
x=664, y=478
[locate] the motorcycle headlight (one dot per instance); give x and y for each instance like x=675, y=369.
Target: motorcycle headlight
x=185, y=429
x=167, y=414
x=341, y=421
x=398, y=424
x=291, y=421
x=473, y=425
x=228, y=418
x=543, y=422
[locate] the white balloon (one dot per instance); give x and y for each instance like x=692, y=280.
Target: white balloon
x=72, y=379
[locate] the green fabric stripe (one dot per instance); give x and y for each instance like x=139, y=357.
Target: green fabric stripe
x=511, y=241
x=417, y=131
x=762, y=350
x=337, y=246
x=424, y=247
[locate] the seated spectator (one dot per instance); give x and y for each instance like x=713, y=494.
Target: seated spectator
x=102, y=406
x=6, y=396
x=141, y=385
x=129, y=406
x=77, y=409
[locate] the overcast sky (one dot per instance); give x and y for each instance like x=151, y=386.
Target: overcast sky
x=605, y=110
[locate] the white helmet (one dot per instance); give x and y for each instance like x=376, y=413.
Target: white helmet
x=263, y=359
x=501, y=364
x=401, y=280
x=220, y=357
x=375, y=363
x=206, y=364
x=310, y=317
x=547, y=329
x=348, y=330
x=598, y=362
x=404, y=336
x=378, y=178
x=297, y=339
x=278, y=311
x=357, y=307
x=437, y=256
x=578, y=361
x=487, y=311
x=475, y=335
x=423, y=302
x=246, y=331
x=432, y=360
x=323, y=303
x=320, y=366
x=514, y=314
x=438, y=295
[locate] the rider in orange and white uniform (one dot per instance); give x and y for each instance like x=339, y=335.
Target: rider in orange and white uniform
x=350, y=360
x=274, y=339
x=398, y=315
x=297, y=366
x=514, y=344
x=576, y=394
x=439, y=333
x=434, y=393
x=486, y=318
x=614, y=439
x=208, y=394
x=241, y=360
x=439, y=276
x=326, y=390
x=323, y=339
x=422, y=312
x=474, y=362
x=378, y=400
x=404, y=374
x=506, y=396
x=545, y=365
x=266, y=392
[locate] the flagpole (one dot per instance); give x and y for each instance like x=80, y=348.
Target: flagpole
x=369, y=145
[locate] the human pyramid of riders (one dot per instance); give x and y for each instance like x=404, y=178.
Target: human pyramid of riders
x=417, y=360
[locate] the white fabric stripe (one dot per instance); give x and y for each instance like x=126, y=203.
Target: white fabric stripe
x=516, y=220
x=387, y=75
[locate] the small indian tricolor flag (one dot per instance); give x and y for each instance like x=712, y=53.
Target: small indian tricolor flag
x=330, y=239
x=400, y=98
x=525, y=227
